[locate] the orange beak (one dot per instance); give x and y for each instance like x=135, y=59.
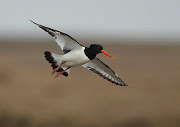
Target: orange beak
x=102, y=51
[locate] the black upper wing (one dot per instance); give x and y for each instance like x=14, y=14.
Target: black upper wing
x=66, y=42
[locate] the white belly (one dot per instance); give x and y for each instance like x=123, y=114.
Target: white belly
x=75, y=57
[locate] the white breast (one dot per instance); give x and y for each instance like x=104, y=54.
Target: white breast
x=75, y=57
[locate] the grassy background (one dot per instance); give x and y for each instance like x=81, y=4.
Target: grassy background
x=31, y=97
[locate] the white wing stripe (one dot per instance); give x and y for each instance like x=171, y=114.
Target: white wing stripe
x=65, y=41
x=104, y=71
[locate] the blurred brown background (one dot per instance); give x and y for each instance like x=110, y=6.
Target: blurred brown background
x=30, y=96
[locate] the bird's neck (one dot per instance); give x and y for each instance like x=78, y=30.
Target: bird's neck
x=89, y=53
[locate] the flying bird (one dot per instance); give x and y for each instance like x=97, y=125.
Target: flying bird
x=76, y=54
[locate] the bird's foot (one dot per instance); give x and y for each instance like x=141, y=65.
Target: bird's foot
x=56, y=69
x=60, y=73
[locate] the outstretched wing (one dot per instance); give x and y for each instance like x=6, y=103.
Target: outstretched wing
x=66, y=42
x=103, y=70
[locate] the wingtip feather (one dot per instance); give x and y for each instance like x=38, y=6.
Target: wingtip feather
x=34, y=22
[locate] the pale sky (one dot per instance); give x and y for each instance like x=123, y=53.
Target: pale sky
x=101, y=18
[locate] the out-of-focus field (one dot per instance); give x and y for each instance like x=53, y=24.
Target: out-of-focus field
x=31, y=97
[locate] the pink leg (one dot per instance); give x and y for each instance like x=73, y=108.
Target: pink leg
x=60, y=73
x=56, y=69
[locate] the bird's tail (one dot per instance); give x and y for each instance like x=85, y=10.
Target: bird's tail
x=55, y=61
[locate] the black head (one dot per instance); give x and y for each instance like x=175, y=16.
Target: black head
x=93, y=50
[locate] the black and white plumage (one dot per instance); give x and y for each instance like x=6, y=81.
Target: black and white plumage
x=76, y=54
x=103, y=70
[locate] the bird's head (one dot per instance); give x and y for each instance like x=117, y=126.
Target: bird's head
x=95, y=48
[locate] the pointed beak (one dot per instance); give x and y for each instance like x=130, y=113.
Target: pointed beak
x=102, y=51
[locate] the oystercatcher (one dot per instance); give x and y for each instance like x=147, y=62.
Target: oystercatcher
x=76, y=54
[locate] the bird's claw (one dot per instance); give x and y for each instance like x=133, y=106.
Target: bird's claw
x=57, y=74
x=55, y=70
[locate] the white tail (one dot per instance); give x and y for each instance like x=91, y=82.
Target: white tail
x=55, y=61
